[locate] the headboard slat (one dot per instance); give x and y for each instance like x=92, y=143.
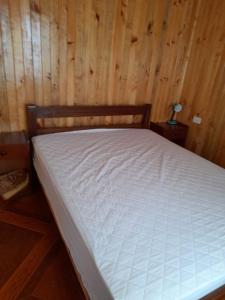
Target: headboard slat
x=88, y=111
x=42, y=112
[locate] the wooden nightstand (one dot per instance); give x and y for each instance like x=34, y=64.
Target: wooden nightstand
x=175, y=133
x=15, y=165
x=14, y=152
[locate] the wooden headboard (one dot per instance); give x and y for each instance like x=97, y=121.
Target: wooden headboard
x=35, y=112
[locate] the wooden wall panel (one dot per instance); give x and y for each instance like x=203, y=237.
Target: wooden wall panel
x=117, y=52
x=203, y=88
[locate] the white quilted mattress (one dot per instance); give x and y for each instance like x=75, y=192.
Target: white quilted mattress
x=142, y=217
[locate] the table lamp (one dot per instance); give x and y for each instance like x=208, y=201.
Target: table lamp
x=176, y=108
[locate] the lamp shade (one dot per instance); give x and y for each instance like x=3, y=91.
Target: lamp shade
x=177, y=107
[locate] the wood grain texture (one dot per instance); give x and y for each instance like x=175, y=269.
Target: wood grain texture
x=23, y=221
x=203, y=91
x=12, y=288
x=96, y=52
x=35, y=113
x=32, y=255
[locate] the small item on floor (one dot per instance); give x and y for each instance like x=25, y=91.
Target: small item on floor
x=12, y=183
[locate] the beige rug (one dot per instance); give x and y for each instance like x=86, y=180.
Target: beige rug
x=12, y=183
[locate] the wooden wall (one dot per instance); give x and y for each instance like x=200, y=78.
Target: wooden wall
x=117, y=52
x=203, y=91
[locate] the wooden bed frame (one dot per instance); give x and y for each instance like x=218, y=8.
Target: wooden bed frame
x=35, y=112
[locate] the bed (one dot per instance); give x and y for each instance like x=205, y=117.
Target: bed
x=141, y=217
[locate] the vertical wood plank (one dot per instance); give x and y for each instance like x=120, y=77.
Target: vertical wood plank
x=27, y=50
x=36, y=51
x=9, y=64
x=17, y=45
x=54, y=48
x=4, y=113
x=71, y=40
x=62, y=55
x=44, y=7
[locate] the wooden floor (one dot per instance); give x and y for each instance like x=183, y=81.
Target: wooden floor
x=34, y=264
x=33, y=260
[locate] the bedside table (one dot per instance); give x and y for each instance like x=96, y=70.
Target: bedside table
x=175, y=133
x=14, y=152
